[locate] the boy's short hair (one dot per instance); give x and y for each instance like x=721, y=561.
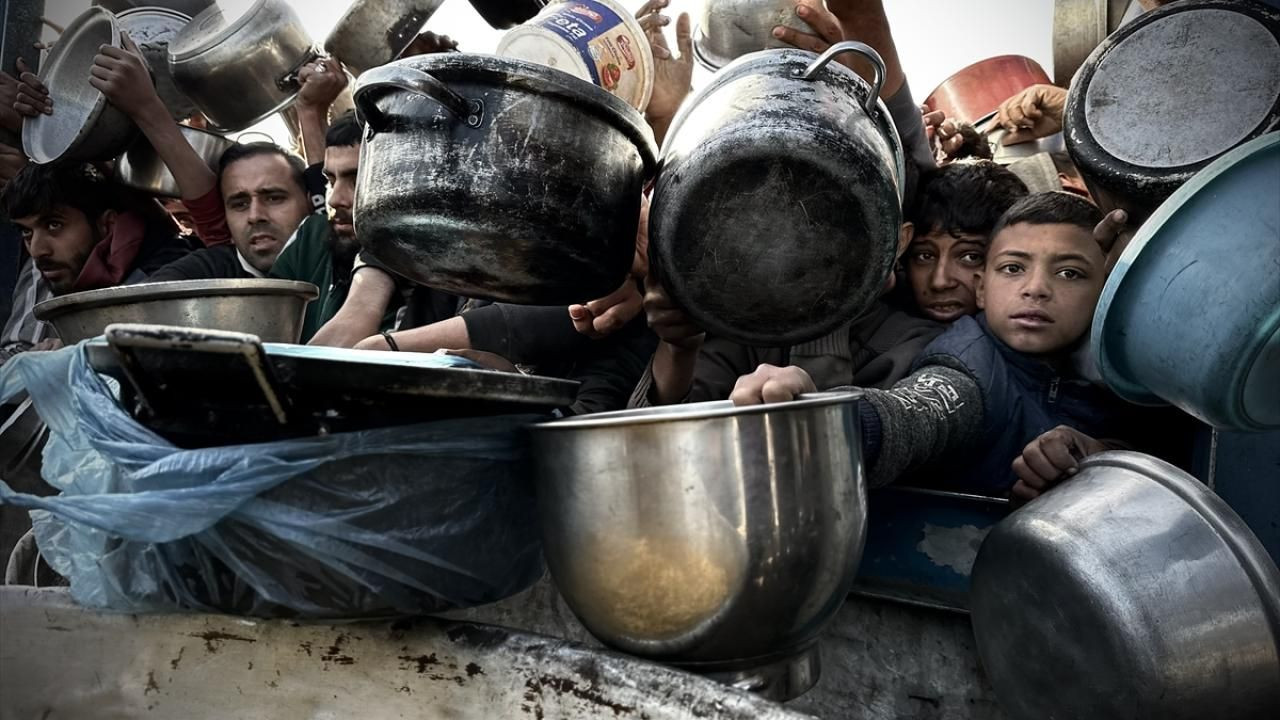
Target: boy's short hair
x=37, y=188
x=241, y=151
x=346, y=131
x=1051, y=208
x=964, y=198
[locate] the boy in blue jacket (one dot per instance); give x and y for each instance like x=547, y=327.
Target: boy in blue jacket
x=993, y=383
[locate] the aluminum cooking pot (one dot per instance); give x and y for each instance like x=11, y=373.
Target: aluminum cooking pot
x=239, y=69
x=503, y=14
x=496, y=178
x=1174, y=68
x=718, y=538
x=142, y=169
x=1130, y=591
x=977, y=90
x=186, y=7
x=375, y=32
x=775, y=218
x=729, y=29
x=1191, y=313
x=83, y=126
x=270, y=309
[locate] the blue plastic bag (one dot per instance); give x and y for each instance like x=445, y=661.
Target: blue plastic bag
x=408, y=519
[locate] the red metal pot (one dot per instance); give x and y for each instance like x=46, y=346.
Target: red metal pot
x=978, y=90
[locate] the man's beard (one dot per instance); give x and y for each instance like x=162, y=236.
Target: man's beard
x=343, y=247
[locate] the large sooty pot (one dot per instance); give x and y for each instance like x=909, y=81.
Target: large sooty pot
x=776, y=215
x=1165, y=95
x=496, y=178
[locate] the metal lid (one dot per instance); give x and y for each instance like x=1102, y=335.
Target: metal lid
x=78, y=105
x=148, y=292
x=212, y=27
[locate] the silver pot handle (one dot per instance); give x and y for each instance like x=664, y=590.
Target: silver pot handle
x=866, y=51
x=414, y=81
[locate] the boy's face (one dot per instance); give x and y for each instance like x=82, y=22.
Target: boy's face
x=1041, y=285
x=943, y=270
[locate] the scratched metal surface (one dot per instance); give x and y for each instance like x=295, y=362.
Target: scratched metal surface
x=58, y=661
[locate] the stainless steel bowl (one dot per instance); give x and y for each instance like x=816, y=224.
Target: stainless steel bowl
x=729, y=29
x=270, y=309
x=717, y=538
x=142, y=169
x=1130, y=591
x=83, y=126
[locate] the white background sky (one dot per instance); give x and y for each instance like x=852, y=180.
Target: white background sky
x=935, y=38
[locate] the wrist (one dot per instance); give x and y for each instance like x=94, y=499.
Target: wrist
x=308, y=111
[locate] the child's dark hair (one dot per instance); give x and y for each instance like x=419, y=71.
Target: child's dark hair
x=1051, y=208
x=964, y=198
x=241, y=151
x=345, y=131
x=37, y=188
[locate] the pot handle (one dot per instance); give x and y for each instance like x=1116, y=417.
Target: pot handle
x=414, y=81
x=866, y=51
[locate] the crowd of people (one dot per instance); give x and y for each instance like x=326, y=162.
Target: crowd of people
x=972, y=360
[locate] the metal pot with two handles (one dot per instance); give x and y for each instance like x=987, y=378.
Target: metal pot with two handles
x=496, y=178
x=240, y=69
x=776, y=215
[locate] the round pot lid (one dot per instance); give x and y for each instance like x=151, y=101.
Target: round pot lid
x=1108, y=581
x=1175, y=69
x=1192, y=217
x=152, y=29
x=212, y=27
x=77, y=104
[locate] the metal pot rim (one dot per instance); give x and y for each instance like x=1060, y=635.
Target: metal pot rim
x=520, y=74
x=32, y=126
x=176, y=290
x=714, y=410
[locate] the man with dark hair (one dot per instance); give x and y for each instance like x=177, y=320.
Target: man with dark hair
x=955, y=208
x=324, y=250
x=991, y=384
x=83, y=233
x=265, y=198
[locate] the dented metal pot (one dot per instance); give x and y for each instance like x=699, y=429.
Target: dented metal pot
x=775, y=218
x=496, y=178
x=375, y=32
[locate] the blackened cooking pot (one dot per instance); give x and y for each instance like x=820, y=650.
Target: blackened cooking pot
x=776, y=215
x=496, y=178
x=1168, y=93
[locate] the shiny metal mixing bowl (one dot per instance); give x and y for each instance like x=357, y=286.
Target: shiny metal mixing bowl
x=716, y=538
x=271, y=309
x=1130, y=591
x=728, y=29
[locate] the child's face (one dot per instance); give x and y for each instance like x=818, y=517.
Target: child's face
x=1041, y=285
x=943, y=270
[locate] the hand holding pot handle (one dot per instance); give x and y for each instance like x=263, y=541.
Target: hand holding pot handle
x=414, y=81
x=877, y=65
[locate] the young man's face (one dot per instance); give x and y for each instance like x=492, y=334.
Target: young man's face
x=1041, y=285
x=59, y=243
x=943, y=270
x=264, y=206
x=340, y=166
